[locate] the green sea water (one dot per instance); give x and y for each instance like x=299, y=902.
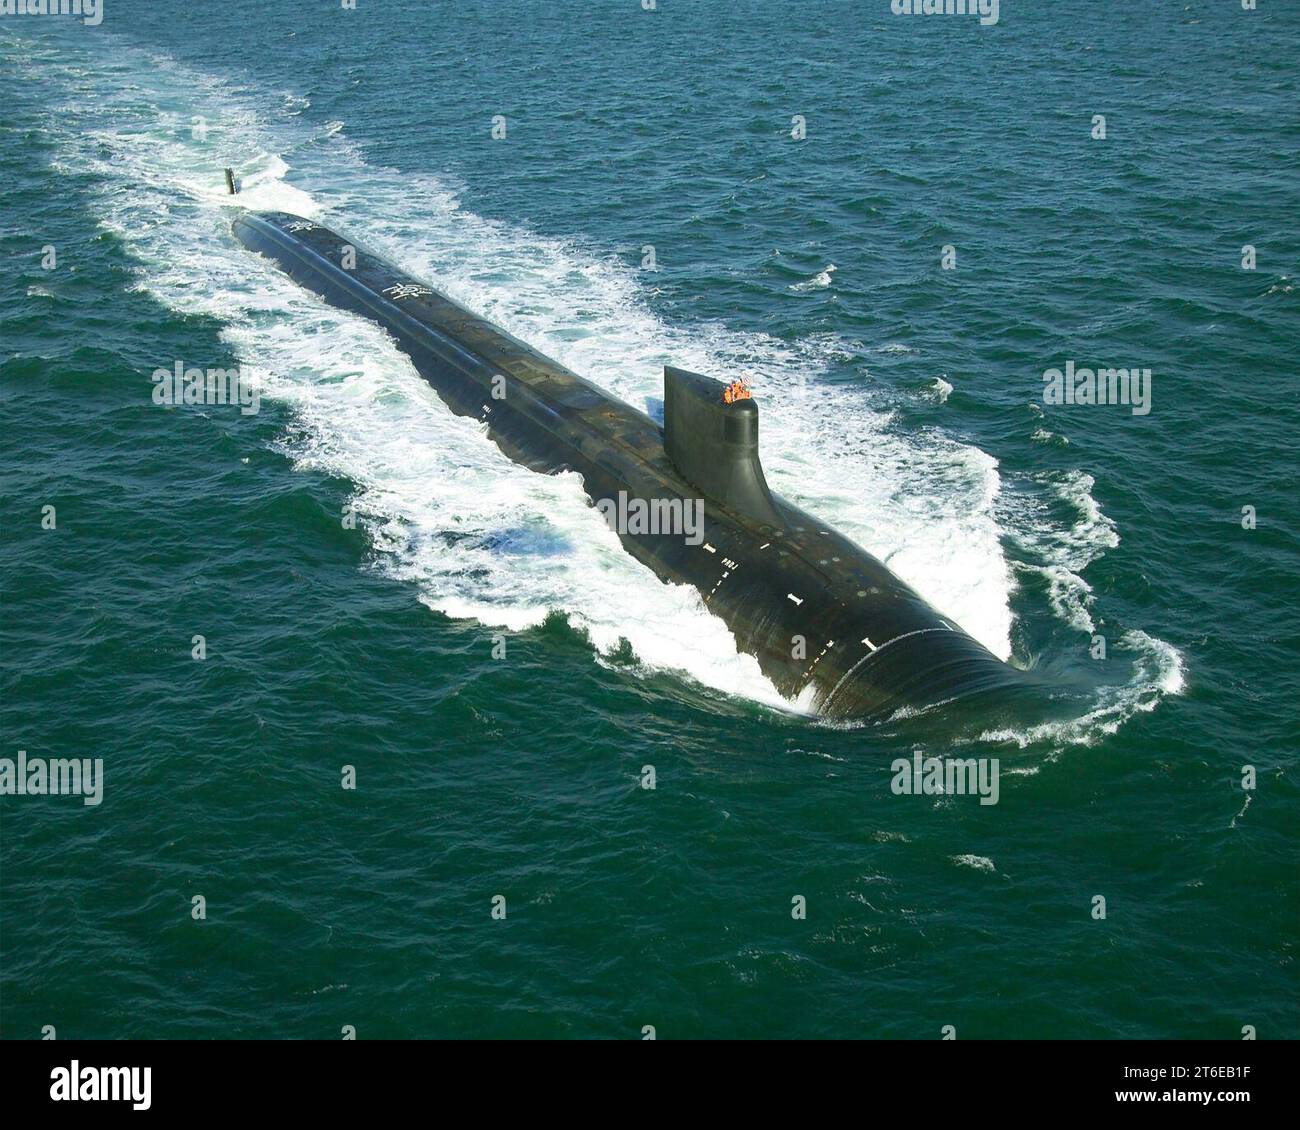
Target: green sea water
x=475, y=645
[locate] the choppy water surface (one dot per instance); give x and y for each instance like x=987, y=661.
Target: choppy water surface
x=901, y=401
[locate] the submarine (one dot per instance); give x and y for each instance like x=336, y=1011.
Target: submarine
x=830, y=626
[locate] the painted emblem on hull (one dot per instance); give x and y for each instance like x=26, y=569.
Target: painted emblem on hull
x=406, y=290
x=300, y=225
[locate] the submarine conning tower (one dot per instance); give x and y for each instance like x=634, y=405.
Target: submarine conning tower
x=714, y=444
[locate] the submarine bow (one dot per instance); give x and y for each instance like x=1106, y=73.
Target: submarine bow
x=830, y=626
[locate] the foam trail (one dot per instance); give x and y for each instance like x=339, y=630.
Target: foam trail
x=1063, y=551
x=478, y=535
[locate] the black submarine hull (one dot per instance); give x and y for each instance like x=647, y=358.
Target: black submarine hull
x=832, y=628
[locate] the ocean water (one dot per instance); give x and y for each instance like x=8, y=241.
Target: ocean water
x=901, y=401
